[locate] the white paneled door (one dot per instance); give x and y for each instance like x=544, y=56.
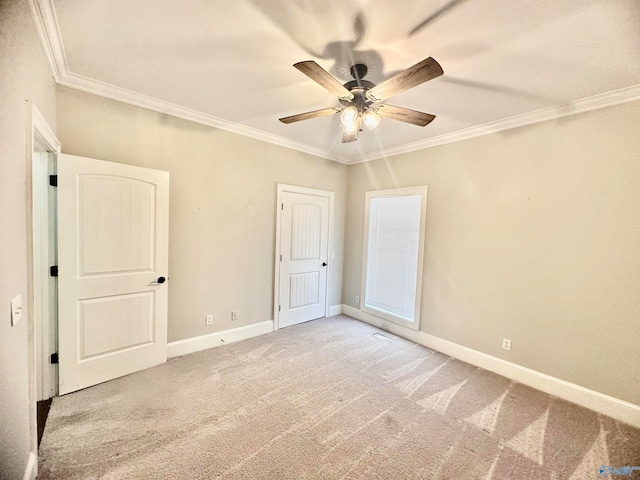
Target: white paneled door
x=113, y=224
x=304, y=244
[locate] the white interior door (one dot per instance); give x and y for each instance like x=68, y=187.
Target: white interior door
x=113, y=259
x=304, y=256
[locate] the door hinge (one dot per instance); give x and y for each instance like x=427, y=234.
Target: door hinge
x=53, y=180
x=279, y=307
x=282, y=206
x=55, y=358
x=280, y=257
x=53, y=271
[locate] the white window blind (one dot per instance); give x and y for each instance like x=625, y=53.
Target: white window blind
x=393, y=254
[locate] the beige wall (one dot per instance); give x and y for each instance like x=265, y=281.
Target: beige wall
x=222, y=204
x=534, y=235
x=24, y=75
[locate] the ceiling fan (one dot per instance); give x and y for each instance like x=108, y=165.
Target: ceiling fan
x=361, y=98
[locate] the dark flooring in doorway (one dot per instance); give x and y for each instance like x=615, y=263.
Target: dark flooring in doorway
x=43, y=407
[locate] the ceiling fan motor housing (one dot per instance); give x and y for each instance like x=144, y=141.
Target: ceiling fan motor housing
x=358, y=87
x=360, y=100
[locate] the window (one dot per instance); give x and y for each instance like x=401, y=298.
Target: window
x=393, y=252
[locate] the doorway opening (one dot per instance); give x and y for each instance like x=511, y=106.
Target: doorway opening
x=43, y=339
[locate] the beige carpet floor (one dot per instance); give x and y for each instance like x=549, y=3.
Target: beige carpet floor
x=328, y=399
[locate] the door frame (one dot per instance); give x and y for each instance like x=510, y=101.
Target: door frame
x=44, y=286
x=39, y=137
x=282, y=187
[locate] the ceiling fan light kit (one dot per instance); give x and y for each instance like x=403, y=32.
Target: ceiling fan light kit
x=349, y=117
x=361, y=98
x=371, y=118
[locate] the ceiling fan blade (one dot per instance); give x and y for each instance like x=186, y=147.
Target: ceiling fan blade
x=405, y=115
x=319, y=75
x=351, y=136
x=451, y=4
x=421, y=72
x=308, y=115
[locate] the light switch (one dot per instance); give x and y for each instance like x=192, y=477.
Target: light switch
x=16, y=310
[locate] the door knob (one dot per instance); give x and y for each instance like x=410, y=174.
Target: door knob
x=324, y=264
x=159, y=281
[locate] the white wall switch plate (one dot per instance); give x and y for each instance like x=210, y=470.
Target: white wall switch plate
x=16, y=310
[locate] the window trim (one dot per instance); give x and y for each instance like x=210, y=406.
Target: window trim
x=395, y=192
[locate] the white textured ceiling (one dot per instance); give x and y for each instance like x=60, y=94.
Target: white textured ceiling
x=231, y=60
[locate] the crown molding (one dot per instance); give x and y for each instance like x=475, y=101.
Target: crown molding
x=595, y=102
x=95, y=87
x=47, y=25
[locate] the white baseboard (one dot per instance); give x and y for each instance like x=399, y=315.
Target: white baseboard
x=31, y=470
x=335, y=310
x=195, y=344
x=613, y=407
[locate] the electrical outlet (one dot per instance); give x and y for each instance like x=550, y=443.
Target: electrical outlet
x=357, y=299
x=209, y=320
x=506, y=344
x=234, y=315
x=384, y=326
